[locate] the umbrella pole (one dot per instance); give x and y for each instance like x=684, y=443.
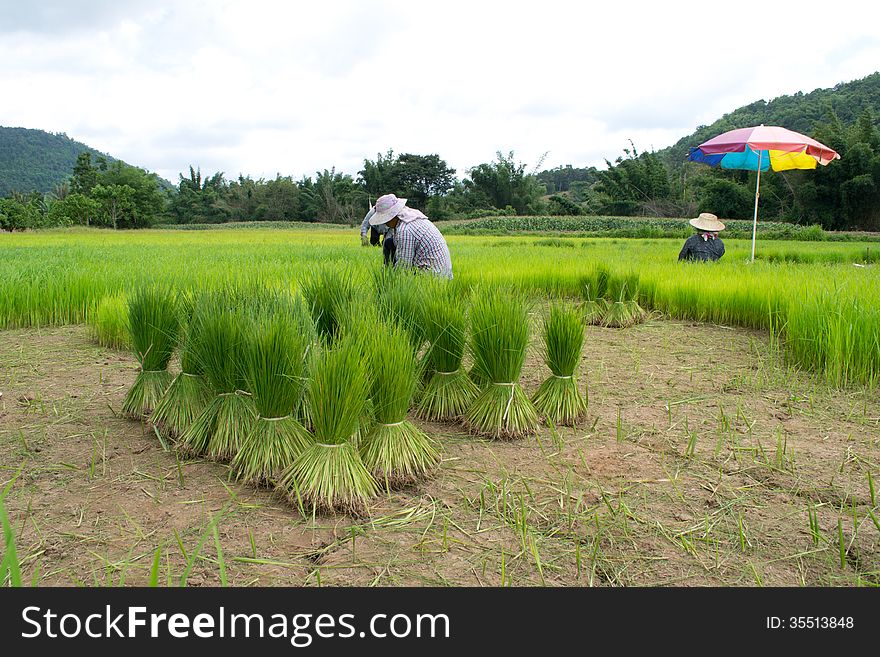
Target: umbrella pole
x=757, y=195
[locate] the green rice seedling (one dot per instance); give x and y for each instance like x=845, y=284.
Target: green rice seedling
x=499, y=340
x=219, y=332
x=273, y=363
x=153, y=324
x=188, y=394
x=109, y=322
x=449, y=390
x=329, y=476
x=396, y=451
x=327, y=293
x=558, y=398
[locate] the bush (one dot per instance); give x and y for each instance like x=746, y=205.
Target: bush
x=725, y=198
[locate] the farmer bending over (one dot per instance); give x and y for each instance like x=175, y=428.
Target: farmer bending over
x=705, y=245
x=416, y=240
x=375, y=232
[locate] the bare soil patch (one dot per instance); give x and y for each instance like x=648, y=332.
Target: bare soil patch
x=699, y=464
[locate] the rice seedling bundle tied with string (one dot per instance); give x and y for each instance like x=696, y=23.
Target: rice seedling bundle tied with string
x=329, y=475
x=153, y=324
x=499, y=342
x=449, y=390
x=395, y=451
x=220, y=330
x=274, y=364
x=559, y=398
x=594, y=288
x=188, y=394
x=623, y=309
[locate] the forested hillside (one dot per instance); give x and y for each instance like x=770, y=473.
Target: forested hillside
x=35, y=160
x=801, y=112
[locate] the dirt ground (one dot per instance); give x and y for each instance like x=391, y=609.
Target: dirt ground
x=701, y=462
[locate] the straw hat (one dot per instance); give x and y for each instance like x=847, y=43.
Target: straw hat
x=708, y=222
x=387, y=207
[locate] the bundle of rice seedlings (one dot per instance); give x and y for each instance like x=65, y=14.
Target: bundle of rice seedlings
x=153, y=324
x=188, y=394
x=559, y=398
x=396, y=451
x=109, y=322
x=219, y=334
x=329, y=476
x=594, y=306
x=273, y=364
x=402, y=295
x=637, y=313
x=619, y=313
x=499, y=341
x=449, y=390
x=327, y=293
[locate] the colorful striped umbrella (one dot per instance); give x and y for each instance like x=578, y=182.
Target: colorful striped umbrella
x=760, y=148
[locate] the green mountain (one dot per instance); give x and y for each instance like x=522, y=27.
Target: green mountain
x=37, y=160
x=800, y=112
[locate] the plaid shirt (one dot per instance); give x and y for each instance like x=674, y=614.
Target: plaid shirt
x=419, y=244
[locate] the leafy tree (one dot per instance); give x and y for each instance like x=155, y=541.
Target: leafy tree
x=563, y=178
x=143, y=204
x=505, y=183
x=199, y=201
x=335, y=198
x=423, y=176
x=116, y=203
x=846, y=193
x=560, y=204
x=74, y=209
x=280, y=200
x=21, y=212
x=635, y=183
x=726, y=198
x=85, y=176
x=417, y=178
x=380, y=177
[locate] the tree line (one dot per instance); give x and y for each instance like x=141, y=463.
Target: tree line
x=842, y=196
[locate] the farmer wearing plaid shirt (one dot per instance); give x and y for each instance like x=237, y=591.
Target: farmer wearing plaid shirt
x=417, y=241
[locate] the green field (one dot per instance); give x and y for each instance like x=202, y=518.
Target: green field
x=820, y=300
x=729, y=439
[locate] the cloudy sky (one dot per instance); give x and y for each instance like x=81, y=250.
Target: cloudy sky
x=260, y=87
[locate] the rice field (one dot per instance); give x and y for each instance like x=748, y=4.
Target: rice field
x=820, y=300
x=319, y=386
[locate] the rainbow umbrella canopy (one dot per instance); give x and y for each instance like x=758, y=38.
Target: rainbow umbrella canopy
x=760, y=148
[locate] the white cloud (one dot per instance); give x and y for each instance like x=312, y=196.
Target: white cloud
x=262, y=87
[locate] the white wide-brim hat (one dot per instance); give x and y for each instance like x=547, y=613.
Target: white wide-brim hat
x=707, y=221
x=387, y=207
